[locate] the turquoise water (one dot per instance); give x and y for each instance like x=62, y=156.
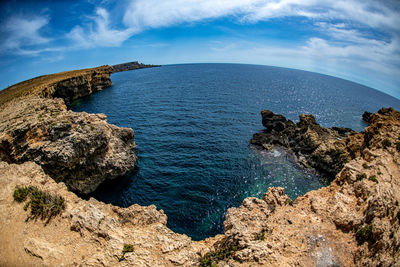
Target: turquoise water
x=193, y=124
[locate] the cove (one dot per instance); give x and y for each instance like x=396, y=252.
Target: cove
x=193, y=124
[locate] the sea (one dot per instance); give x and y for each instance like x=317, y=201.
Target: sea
x=193, y=123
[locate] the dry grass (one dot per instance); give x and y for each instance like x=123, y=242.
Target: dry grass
x=38, y=84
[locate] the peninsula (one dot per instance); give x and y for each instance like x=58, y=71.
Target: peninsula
x=132, y=66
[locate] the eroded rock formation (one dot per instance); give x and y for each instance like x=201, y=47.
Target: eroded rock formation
x=324, y=149
x=79, y=149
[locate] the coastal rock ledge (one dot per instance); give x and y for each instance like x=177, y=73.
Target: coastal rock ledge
x=81, y=150
x=324, y=149
x=355, y=221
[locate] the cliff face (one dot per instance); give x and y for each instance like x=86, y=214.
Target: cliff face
x=68, y=85
x=78, y=149
x=80, y=86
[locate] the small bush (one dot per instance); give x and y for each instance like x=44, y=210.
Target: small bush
x=365, y=166
x=223, y=250
x=21, y=193
x=43, y=205
x=361, y=176
x=289, y=201
x=398, y=146
x=127, y=248
x=260, y=236
x=364, y=234
x=398, y=216
x=373, y=178
x=386, y=143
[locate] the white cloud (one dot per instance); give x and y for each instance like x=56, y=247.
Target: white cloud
x=99, y=33
x=22, y=35
x=143, y=14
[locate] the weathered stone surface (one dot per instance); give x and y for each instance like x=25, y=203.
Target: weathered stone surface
x=88, y=233
x=326, y=150
x=79, y=149
x=80, y=85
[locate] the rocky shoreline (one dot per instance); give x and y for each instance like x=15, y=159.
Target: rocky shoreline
x=352, y=222
x=324, y=149
x=81, y=150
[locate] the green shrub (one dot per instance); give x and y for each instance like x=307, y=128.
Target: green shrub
x=361, y=176
x=223, y=250
x=364, y=234
x=365, y=166
x=289, y=201
x=127, y=248
x=373, y=178
x=21, y=193
x=260, y=236
x=386, y=143
x=43, y=205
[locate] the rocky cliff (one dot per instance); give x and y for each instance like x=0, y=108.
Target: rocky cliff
x=68, y=85
x=79, y=149
x=325, y=149
x=355, y=221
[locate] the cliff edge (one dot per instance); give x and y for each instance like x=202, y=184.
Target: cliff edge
x=81, y=150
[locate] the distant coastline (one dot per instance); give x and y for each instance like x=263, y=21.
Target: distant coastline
x=134, y=65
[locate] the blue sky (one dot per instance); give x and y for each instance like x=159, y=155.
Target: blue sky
x=358, y=40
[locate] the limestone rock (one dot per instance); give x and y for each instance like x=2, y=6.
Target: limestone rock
x=78, y=149
x=326, y=150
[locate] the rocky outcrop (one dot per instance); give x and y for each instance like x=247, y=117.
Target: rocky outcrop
x=324, y=149
x=132, y=66
x=79, y=149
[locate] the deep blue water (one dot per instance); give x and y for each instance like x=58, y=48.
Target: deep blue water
x=192, y=128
